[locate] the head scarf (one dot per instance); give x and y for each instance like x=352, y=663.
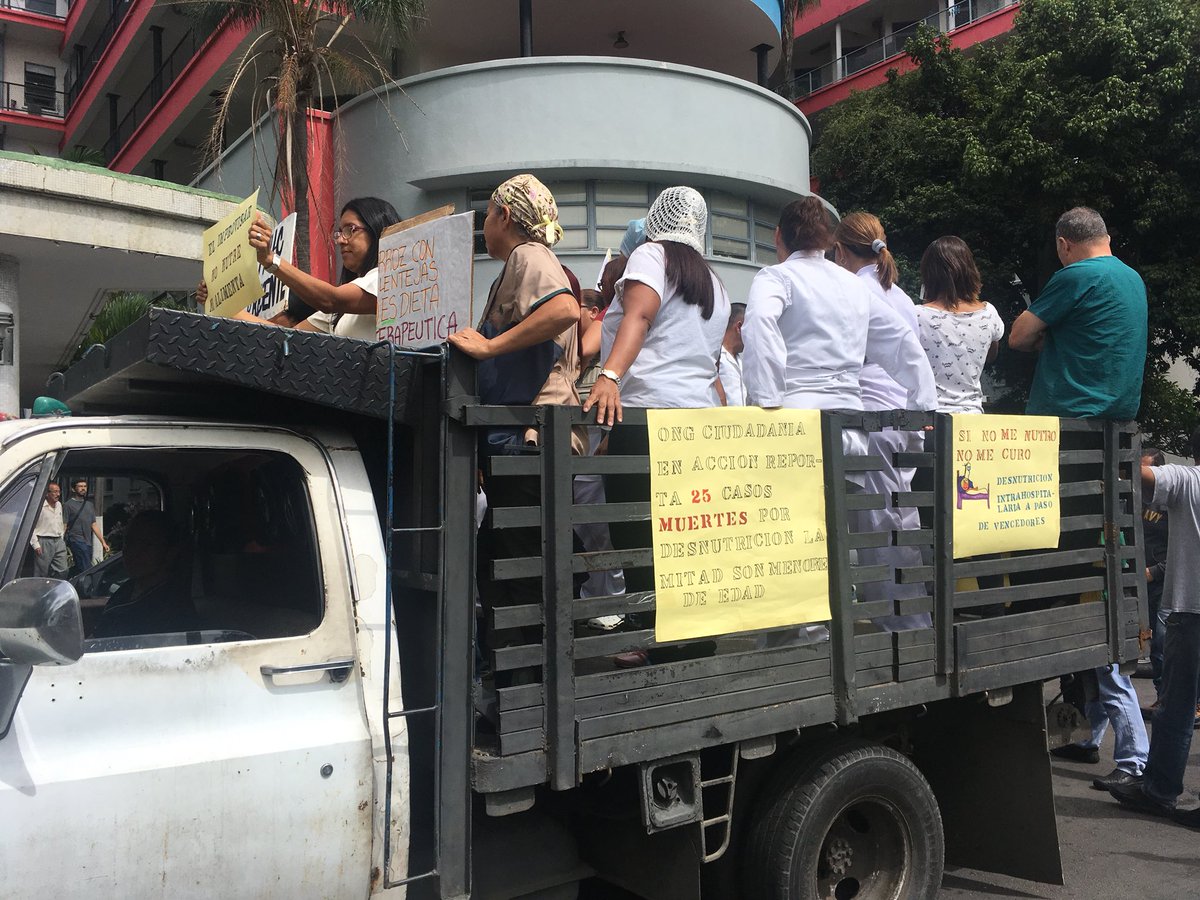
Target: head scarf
x=532, y=206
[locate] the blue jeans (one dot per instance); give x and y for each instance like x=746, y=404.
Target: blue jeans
x=81, y=553
x=1118, y=704
x=1175, y=718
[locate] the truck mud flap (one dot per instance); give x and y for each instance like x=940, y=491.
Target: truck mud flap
x=990, y=772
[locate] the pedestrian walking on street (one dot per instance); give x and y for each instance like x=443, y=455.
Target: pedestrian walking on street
x=49, y=548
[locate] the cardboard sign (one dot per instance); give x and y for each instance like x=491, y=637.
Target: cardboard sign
x=1005, y=484
x=230, y=266
x=426, y=279
x=275, y=293
x=737, y=507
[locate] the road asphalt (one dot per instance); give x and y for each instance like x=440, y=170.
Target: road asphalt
x=1107, y=853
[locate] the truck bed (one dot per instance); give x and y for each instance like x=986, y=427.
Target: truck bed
x=582, y=714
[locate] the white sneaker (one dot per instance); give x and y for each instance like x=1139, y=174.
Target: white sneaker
x=606, y=623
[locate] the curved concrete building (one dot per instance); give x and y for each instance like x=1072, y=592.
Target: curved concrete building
x=606, y=133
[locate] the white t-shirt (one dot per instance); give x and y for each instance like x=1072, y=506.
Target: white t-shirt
x=677, y=365
x=354, y=325
x=811, y=325
x=879, y=389
x=957, y=345
x=730, y=372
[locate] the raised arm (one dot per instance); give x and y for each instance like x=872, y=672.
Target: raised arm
x=640, y=303
x=340, y=298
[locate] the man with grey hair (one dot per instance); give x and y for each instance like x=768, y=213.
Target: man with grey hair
x=1089, y=324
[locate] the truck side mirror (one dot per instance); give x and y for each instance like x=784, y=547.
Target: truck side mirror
x=40, y=622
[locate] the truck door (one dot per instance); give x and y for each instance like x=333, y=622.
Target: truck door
x=212, y=741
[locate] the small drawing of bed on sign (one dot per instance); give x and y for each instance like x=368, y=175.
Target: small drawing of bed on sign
x=966, y=489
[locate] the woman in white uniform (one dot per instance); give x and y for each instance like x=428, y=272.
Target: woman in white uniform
x=860, y=246
x=659, y=347
x=810, y=328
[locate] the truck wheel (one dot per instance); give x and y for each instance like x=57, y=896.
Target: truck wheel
x=855, y=821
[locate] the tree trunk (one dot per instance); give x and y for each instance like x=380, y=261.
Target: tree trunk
x=299, y=183
x=786, y=39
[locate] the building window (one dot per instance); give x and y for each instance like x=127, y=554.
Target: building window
x=39, y=89
x=595, y=214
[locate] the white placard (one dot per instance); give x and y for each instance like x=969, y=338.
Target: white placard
x=275, y=293
x=426, y=273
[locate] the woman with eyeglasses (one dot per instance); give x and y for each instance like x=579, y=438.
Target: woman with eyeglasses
x=346, y=308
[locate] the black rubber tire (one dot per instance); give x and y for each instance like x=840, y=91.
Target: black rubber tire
x=796, y=844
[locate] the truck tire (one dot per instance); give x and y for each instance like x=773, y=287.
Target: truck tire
x=853, y=821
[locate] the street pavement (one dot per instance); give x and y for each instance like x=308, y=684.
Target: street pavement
x=1107, y=853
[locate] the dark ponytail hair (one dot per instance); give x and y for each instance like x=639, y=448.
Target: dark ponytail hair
x=376, y=215
x=804, y=224
x=690, y=275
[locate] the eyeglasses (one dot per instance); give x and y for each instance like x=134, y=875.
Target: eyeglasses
x=346, y=232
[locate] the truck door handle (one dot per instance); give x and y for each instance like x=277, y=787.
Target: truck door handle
x=338, y=669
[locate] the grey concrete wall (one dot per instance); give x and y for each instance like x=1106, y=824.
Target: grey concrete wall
x=570, y=117
x=249, y=162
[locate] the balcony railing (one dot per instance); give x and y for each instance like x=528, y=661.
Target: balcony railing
x=41, y=7
x=956, y=16
x=170, y=70
x=32, y=99
x=77, y=75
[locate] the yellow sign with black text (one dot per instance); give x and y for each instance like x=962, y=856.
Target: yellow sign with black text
x=1005, y=484
x=737, y=504
x=230, y=264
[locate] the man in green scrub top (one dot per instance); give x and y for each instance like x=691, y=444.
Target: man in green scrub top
x=1090, y=325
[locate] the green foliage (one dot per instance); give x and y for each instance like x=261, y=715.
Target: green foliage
x=1093, y=102
x=120, y=310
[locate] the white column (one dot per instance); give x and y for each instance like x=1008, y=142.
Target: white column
x=10, y=368
x=944, y=15
x=837, y=52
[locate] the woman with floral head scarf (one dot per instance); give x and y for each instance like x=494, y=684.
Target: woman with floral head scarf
x=528, y=350
x=526, y=342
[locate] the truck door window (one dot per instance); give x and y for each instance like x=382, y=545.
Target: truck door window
x=213, y=545
x=14, y=501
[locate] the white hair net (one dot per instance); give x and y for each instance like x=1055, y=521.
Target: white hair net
x=679, y=214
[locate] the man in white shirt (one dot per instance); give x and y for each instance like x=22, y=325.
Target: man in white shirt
x=49, y=547
x=729, y=369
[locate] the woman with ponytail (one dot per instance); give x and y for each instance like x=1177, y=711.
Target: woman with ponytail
x=860, y=246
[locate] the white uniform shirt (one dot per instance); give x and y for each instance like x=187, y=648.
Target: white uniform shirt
x=677, y=365
x=730, y=372
x=879, y=389
x=355, y=325
x=49, y=524
x=810, y=326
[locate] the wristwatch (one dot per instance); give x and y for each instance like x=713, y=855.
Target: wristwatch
x=276, y=259
x=611, y=376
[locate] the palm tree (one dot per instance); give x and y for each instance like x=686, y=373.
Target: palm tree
x=293, y=41
x=792, y=9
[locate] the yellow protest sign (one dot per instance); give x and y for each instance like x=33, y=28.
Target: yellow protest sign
x=1005, y=484
x=230, y=266
x=737, y=506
